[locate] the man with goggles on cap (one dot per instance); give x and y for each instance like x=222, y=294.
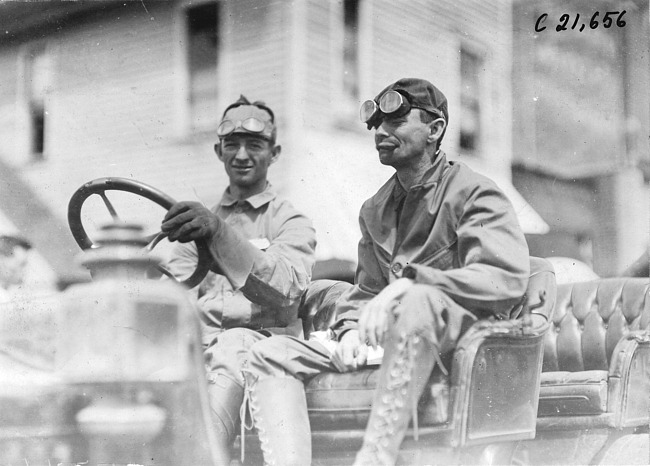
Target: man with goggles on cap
x=263, y=254
x=441, y=247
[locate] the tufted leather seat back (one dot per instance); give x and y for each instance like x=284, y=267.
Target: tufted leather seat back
x=589, y=320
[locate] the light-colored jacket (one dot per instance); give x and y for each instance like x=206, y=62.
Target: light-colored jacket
x=264, y=259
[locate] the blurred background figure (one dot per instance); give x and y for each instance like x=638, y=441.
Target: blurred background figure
x=14, y=257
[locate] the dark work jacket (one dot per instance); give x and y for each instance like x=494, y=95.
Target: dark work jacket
x=456, y=231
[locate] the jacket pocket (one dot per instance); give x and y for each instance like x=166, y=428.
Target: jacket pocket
x=442, y=259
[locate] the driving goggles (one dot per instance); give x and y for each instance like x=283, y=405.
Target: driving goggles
x=391, y=103
x=251, y=125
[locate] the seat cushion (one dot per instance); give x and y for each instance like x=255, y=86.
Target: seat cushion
x=573, y=393
x=590, y=318
x=337, y=401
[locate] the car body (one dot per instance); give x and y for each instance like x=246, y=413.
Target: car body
x=111, y=372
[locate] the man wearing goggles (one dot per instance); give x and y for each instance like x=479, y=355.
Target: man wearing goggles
x=263, y=254
x=441, y=247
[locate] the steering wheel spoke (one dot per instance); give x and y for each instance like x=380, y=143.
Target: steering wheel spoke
x=163, y=270
x=109, y=206
x=99, y=187
x=153, y=240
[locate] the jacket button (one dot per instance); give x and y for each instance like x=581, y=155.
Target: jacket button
x=396, y=268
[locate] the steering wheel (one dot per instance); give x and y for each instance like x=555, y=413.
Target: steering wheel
x=99, y=187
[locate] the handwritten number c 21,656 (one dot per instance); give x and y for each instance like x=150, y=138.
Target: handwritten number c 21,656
x=609, y=19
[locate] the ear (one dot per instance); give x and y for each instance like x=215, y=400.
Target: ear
x=436, y=129
x=217, y=150
x=275, y=153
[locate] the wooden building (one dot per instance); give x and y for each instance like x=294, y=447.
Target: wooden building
x=136, y=89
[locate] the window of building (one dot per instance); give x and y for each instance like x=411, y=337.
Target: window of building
x=470, y=100
x=203, y=56
x=351, y=49
x=37, y=86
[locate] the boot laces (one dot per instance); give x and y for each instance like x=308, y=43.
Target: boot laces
x=250, y=417
x=396, y=390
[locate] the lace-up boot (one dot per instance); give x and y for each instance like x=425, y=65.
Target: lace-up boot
x=278, y=407
x=405, y=370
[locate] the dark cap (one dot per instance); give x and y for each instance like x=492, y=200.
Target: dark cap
x=421, y=94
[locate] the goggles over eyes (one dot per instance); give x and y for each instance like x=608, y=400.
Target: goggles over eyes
x=250, y=125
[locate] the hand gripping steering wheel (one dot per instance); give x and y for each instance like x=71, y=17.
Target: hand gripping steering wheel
x=99, y=187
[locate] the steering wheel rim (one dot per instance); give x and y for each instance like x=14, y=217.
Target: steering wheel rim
x=99, y=187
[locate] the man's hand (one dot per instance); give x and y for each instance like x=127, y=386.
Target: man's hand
x=189, y=221
x=374, y=318
x=350, y=353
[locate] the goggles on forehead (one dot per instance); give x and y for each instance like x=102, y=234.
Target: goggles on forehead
x=250, y=125
x=391, y=103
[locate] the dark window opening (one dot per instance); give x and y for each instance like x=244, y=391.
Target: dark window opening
x=204, y=39
x=38, y=84
x=351, y=48
x=203, y=57
x=470, y=115
x=37, y=115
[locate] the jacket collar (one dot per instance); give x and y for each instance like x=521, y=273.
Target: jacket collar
x=429, y=179
x=255, y=201
x=435, y=172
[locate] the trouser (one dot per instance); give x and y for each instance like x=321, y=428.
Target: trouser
x=227, y=354
x=425, y=332
x=276, y=370
x=225, y=358
x=425, y=316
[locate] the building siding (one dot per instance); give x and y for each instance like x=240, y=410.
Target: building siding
x=9, y=111
x=256, y=52
x=318, y=104
x=119, y=102
x=119, y=78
